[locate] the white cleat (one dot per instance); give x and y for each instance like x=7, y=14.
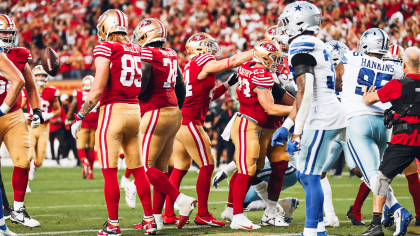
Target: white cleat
x=7, y=232
x=186, y=206
x=64, y=162
x=227, y=214
x=331, y=222
x=28, y=190
x=159, y=221
x=22, y=217
x=130, y=194
x=32, y=171
x=273, y=219
x=240, y=221
x=176, y=206
x=124, y=181
x=289, y=206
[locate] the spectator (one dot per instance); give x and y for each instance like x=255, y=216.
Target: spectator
x=56, y=130
x=76, y=63
x=89, y=66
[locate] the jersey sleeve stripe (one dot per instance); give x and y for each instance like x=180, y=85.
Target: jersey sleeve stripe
x=103, y=47
x=146, y=58
x=262, y=81
x=267, y=84
x=303, y=44
x=204, y=56
x=101, y=54
x=344, y=60
x=147, y=54
x=205, y=59
x=302, y=50
x=101, y=50
x=146, y=51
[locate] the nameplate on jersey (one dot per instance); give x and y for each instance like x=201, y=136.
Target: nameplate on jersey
x=130, y=49
x=378, y=66
x=168, y=53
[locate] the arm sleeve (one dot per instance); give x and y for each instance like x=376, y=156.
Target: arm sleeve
x=278, y=92
x=102, y=50
x=305, y=106
x=180, y=94
x=390, y=91
x=219, y=91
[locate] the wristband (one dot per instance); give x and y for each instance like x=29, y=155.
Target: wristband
x=226, y=84
x=228, y=64
x=299, y=127
x=288, y=123
x=78, y=117
x=4, y=108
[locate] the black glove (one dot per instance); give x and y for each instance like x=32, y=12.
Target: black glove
x=38, y=112
x=233, y=79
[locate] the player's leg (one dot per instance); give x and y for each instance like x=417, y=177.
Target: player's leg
x=244, y=135
x=33, y=135
x=19, y=152
x=171, y=164
x=91, y=153
x=3, y=228
x=82, y=141
x=6, y=205
x=414, y=186
x=41, y=147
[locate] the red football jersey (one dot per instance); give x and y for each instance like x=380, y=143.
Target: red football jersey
x=19, y=57
x=161, y=88
x=251, y=77
x=199, y=93
x=88, y=60
x=124, y=83
x=91, y=119
x=47, y=98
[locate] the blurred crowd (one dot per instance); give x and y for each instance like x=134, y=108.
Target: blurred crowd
x=69, y=26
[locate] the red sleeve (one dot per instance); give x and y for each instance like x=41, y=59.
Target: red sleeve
x=219, y=91
x=263, y=79
x=146, y=54
x=102, y=50
x=390, y=91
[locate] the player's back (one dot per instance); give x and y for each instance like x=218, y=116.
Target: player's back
x=124, y=83
x=19, y=56
x=161, y=87
x=199, y=93
x=361, y=71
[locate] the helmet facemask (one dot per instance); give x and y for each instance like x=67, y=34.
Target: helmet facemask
x=213, y=48
x=41, y=79
x=9, y=38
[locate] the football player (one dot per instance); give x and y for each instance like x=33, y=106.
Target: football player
x=50, y=107
x=86, y=137
x=316, y=109
x=368, y=136
x=13, y=124
x=191, y=141
x=117, y=84
x=162, y=90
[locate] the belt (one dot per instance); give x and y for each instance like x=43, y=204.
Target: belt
x=406, y=128
x=248, y=118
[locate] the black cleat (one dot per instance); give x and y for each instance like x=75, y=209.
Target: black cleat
x=355, y=217
x=417, y=221
x=6, y=212
x=374, y=230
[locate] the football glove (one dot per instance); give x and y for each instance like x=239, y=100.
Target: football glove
x=221, y=175
x=76, y=125
x=293, y=145
x=37, y=118
x=279, y=136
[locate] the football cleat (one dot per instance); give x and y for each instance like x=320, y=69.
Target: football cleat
x=6, y=232
x=289, y=206
x=172, y=220
x=332, y=222
x=28, y=190
x=240, y=221
x=149, y=226
x=130, y=195
x=22, y=217
x=374, y=230
x=402, y=218
x=208, y=219
x=64, y=162
x=387, y=217
x=124, y=181
x=158, y=221
x=85, y=168
x=90, y=174
x=273, y=219
x=321, y=233
x=227, y=214
x=186, y=206
x=110, y=229
x=355, y=216
x=417, y=221
x=32, y=170
x=7, y=211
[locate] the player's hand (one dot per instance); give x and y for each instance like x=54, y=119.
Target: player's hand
x=37, y=114
x=27, y=116
x=293, y=145
x=279, y=136
x=221, y=175
x=76, y=125
x=233, y=79
x=367, y=92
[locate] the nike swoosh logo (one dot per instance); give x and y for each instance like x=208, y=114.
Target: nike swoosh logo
x=246, y=227
x=208, y=222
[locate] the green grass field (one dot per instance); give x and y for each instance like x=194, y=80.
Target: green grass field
x=65, y=204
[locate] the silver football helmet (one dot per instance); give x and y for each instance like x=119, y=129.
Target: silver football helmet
x=298, y=17
x=336, y=50
x=373, y=41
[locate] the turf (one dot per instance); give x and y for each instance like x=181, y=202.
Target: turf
x=66, y=204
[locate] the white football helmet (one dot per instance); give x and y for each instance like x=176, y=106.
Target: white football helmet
x=41, y=76
x=373, y=41
x=336, y=50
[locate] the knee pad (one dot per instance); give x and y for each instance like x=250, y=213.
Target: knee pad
x=381, y=186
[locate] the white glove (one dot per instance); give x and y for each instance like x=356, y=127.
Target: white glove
x=27, y=116
x=221, y=175
x=76, y=125
x=36, y=121
x=47, y=116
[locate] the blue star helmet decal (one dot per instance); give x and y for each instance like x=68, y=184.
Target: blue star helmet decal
x=336, y=47
x=298, y=8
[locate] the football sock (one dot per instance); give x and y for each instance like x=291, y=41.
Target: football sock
x=91, y=158
x=414, y=188
x=158, y=200
x=261, y=190
x=143, y=190
x=3, y=224
x=363, y=193
x=231, y=183
x=176, y=178
x=328, y=204
x=114, y=222
x=3, y=193
x=112, y=192
x=314, y=197
x=82, y=154
x=1, y=211
x=376, y=218
x=203, y=188
x=19, y=182
x=17, y=205
x=159, y=180
x=271, y=206
x=275, y=183
x=127, y=173
x=239, y=192
x=391, y=201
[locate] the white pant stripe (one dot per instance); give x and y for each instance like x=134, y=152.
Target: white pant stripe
x=104, y=151
x=201, y=149
x=314, y=152
x=147, y=137
x=242, y=133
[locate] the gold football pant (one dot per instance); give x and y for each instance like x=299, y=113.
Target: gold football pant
x=245, y=135
x=411, y=169
x=158, y=130
x=119, y=126
x=15, y=135
x=39, y=141
x=192, y=143
x=86, y=139
x=274, y=153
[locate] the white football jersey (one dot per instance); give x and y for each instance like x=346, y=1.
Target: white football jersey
x=361, y=71
x=326, y=111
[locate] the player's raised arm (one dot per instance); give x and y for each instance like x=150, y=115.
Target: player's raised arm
x=12, y=74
